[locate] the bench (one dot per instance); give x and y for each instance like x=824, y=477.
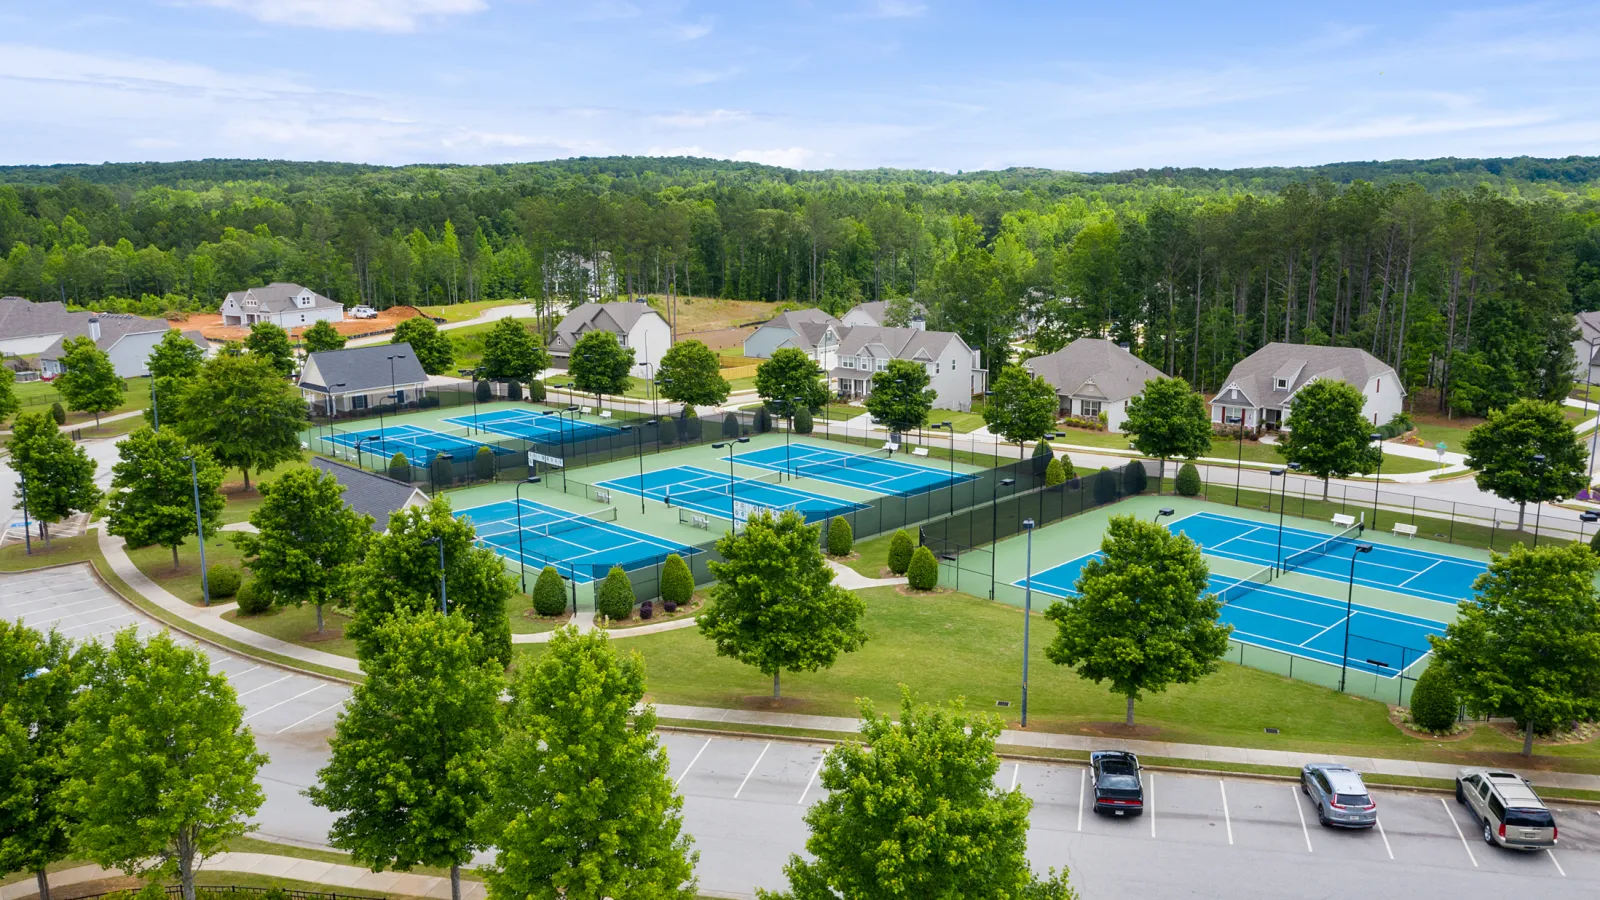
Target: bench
x=891, y=446
x=1343, y=521
x=700, y=521
x=1409, y=531
x=605, y=413
x=586, y=410
x=920, y=451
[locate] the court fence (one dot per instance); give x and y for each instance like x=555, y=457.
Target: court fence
x=1389, y=680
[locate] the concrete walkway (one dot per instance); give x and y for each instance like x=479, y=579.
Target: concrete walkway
x=334, y=875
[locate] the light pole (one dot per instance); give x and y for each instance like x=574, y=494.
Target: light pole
x=788, y=459
x=733, y=513
x=994, y=527
x=1375, y=476
x=1538, y=506
x=359, y=442
x=522, y=560
x=392, y=392
x=1027, y=614
x=1238, y=472
x=1163, y=513
x=1277, y=473
x=333, y=409
x=155, y=411
x=1349, y=606
x=444, y=603
x=27, y=526
x=638, y=451
x=474, y=373
x=199, y=532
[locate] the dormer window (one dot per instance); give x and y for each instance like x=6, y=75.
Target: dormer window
x=1283, y=384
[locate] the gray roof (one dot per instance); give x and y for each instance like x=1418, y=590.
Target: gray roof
x=1094, y=368
x=21, y=317
x=618, y=317
x=894, y=343
x=1253, y=381
x=877, y=309
x=278, y=297
x=807, y=325
x=369, y=493
x=362, y=369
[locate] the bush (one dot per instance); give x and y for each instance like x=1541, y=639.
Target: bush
x=614, y=599
x=399, y=467
x=763, y=421
x=430, y=401
x=513, y=390
x=693, y=428
x=536, y=391
x=549, y=593
x=483, y=391
x=1594, y=542
x=840, y=538
x=58, y=413
x=223, y=580
x=252, y=600
x=1067, y=471
x=668, y=434
x=1187, y=483
x=802, y=421
x=1133, y=478
x=483, y=463
x=677, y=582
x=1053, y=474
x=923, y=574
x=730, y=426
x=441, y=470
x=900, y=548
x=1433, y=701
x=1042, y=454
x=1105, y=486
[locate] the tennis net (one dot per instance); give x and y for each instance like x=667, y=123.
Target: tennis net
x=507, y=530
x=1245, y=586
x=1348, y=536
x=850, y=461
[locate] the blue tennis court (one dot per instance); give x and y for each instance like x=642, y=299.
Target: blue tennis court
x=535, y=425
x=1420, y=573
x=1381, y=642
x=420, y=445
x=582, y=547
x=716, y=494
x=874, y=471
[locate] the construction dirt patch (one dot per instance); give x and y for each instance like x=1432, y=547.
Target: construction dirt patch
x=210, y=324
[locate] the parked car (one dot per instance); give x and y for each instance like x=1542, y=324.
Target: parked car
x=1340, y=795
x=363, y=312
x=1117, y=788
x=1511, y=814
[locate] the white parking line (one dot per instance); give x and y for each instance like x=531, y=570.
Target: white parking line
x=1385, y=835
x=809, y=781
x=1150, y=804
x=1457, y=825
x=1016, y=769
x=282, y=702
x=245, y=672
x=752, y=771
x=1226, y=819
x=309, y=718
x=691, y=763
x=265, y=686
x=1083, y=776
x=122, y=615
x=1558, y=865
x=1294, y=794
x=17, y=609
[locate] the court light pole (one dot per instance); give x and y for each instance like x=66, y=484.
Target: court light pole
x=474, y=373
x=444, y=603
x=393, y=391
x=1277, y=473
x=522, y=559
x=1238, y=472
x=994, y=527
x=788, y=459
x=1375, y=476
x=1349, y=608
x=199, y=532
x=1027, y=614
x=638, y=451
x=733, y=513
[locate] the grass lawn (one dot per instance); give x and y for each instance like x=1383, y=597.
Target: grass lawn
x=873, y=555
x=184, y=581
x=460, y=312
x=15, y=558
x=1435, y=428
x=241, y=503
x=298, y=625
x=36, y=396
x=963, y=422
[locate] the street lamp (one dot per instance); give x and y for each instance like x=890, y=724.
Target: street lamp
x=27, y=526
x=1027, y=613
x=199, y=532
x=474, y=373
x=994, y=527
x=392, y=391
x=1538, y=506
x=638, y=450
x=1349, y=606
x=1375, y=476
x=359, y=442
x=1238, y=471
x=522, y=560
x=1277, y=473
x=332, y=408
x=444, y=603
x=788, y=460
x=1163, y=513
x=733, y=513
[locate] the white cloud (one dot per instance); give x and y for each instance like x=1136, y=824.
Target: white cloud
x=692, y=32
x=347, y=15
x=788, y=157
x=694, y=77
x=692, y=150
x=701, y=119
x=896, y=9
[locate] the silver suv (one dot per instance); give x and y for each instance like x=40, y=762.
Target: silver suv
x=1340, y=795
x=1511, y=813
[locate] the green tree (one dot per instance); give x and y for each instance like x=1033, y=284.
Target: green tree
x=774, y=605
x=174, y=363
x=435, y=353
x=9, y=404
x=38, y=676
x=841, y=539
x=308, y=543
x=162, y=768
x=153, y=497
x=1021, y=408
x=802, y=421
x=1528, y=645
x=322, y=337
x=912, y=810
x=401, y=574
x=271, y=343
x=58, y=413
x=549, y=593
x=513, y=353
x=901, y=546
x=677, y=582
x=581, y=806
x=408, y=772
x=1167, y=420
x=483, y=467
x=668, y=435
x=600, y=365
x=613, y=598
x=483, y=391
x=1054, y=474
x=690, y=373
x=730, y=426
x=399, y=467
x=241, y=410
x=923, y=573
x=57, y=474
x=1434, y=704
x=1142, y=619
x=789, y=375
x=1188, y=483
x=1067, y=470
x=1502, y=450
x=90, y=383
x=1105, y=486
x=1328, y=435
x=900, y=397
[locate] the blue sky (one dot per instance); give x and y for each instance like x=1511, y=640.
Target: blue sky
x=848, y=84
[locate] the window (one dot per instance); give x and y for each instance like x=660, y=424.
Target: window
x=1089, y=409
x=1283, y=384
x=849, y=362
x=883, y=364
x=359, y=401
x=936, y=367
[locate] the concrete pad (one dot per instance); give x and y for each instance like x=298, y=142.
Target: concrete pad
x=308, y=870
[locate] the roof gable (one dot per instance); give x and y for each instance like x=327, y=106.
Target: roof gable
x=369, y=493
x=1094, y=368
x=363, y=369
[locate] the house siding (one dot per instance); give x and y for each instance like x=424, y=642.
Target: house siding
x=650, y=339
x=768, y=338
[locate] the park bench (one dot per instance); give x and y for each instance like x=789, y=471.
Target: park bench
x=1343, y=521
x=605, y=413
x=1409, y=531
x=920, y=451
x=891, y=446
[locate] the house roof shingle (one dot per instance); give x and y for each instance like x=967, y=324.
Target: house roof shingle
x=1116, y=373
x=279, y=297
x=877, y=309
x=1256, y=375
x=363, y=369
x=618, y=317
x=369, y=493
x=20, y=317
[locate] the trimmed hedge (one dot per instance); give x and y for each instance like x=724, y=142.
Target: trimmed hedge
x=730, y=426
x=252, y=600
x=484, y=392
x=536, y=391
x=900, y=550
x=693, y=428
x=483, y=463
x=223, y=580
x=1134, y=478
x=763, y=421
x=513, y=390
x=669, y=431
x=399, y=467
x=1188, y=483
x=1433, y=701
x=1105, y=486
x=923, y=574
x=549, y=593
x=58, y=413
x=1042, y=454
x=840, y=538
x=802, y=421
x=1053, y=473
x=614, y=598
x=1066, y=467
x=677, y=582
x=442, y=472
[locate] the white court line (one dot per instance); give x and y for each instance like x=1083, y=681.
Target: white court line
x=1083, y=776
x=1552, y=855
x=809, y=781
x=1016, y=769
x=1385, y=835
x=1226, y=819
x=1328, y=629
x=1452, y=817
x=691, y=763
x=1150, y=804
x=282, y=702
x=267, y=685
x=1294, y=794
x=752, y=771
x=309, y=718
x=1420, y=573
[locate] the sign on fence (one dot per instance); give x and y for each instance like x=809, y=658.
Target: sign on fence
x=535, y=456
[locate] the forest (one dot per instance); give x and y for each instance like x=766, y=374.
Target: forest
x=1463, y=274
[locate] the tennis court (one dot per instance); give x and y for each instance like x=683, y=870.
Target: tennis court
x=581, y=547
x=872, y=471
x=420, y=445
x=1382, y=643
x=1420, y=573
x=545, y=427
x=716, y=494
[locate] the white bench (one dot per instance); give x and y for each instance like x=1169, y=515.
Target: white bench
x=920, y=451
x=891, y=446
x=699, y=521
x=1343, y=521
x=605, y=413
x=1409, y=531
x=586, y=410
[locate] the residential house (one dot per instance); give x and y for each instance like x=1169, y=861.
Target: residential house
x=875, y=312
x=360, y=378
x=955, y=371
x=1260, y=389
x=279, y=303
x=1094, y=377
x=41, y=330
x=371, y=494
x=1587, y=349
x=635, y=324
x=811, y=330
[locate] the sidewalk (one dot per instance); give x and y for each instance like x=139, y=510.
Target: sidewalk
x=333, y=875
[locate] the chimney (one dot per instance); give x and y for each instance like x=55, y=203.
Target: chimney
x=919, y=323
x=1123, y=345
x=94, y=328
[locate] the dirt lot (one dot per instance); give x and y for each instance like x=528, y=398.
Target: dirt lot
x=719, y=324
x=210, y=324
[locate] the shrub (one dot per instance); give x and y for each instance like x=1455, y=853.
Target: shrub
x=677, y=582
x=1187, y=483
x=1433, y=701
x=252, y=600
x=646, y=610
x=763, y=421
x=669, y=431
x=549, y=593
x=1105, y=486
x=483, y=391
x=614, y=599
x=923, y=574
x=1042, y=454
x=1053, y=474
x=693, y=428
x=223, y=580
x=840, y=538
x=802, y=421
x=900, y=547
x=442, y=470
x=1594, y=542
x=428, y=402
x=1067, y=471
x=399, y=467
x=536, y=391
x=58, y=413
x=483, y=463
x=513, y=390
x=1133, y=478
x=730, y=426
